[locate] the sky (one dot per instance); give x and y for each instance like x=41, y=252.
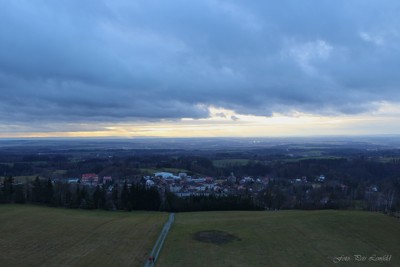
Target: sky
x=199, y=68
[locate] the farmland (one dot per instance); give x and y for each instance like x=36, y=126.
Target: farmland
x=282, y=238
x=230, y=162
x=41, y=236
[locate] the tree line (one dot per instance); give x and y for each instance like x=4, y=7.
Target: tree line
x=60, y=194
x=209, y=203
x=114, y=197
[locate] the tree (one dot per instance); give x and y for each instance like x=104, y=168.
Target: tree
x=37, y=196
x=48, y=192
x=96, y=197
x=68, y=197
x=102, y=199
x=19, y=196
x=125, y=197
x=115, y=196
x=8, y=189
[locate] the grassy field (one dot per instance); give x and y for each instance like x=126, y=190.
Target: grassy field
x=40, y=236
x=283, y=238
x=230, y=162
x=310, y=158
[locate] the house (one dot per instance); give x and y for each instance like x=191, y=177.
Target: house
x=175, y=188
x=164, y=175
x=183, y=175
x=209, y=180
x=90, y=178
x=107, y=179
x=149, y=183
x=321, y=178
x=198, y=180
x=232, y=178
x=167, y=176
x=72, y=180
x=374, y=188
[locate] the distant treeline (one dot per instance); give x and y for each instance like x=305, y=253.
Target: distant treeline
x=279, y=194
x=59, y=194
x=128, y=197
x=209, y=203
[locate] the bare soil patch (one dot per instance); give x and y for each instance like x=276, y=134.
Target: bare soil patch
x=215, y=237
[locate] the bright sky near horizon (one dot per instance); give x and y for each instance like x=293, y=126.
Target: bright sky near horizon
x=204, y=68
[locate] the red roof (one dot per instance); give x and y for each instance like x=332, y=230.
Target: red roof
x=89, y=175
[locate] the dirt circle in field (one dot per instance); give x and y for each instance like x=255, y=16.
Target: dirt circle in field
x=215, y=237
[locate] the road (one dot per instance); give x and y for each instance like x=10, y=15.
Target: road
x=160, y=241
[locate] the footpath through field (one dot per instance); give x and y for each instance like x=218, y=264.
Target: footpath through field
x=160, y=242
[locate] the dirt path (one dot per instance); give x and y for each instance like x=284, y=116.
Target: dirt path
x=160, y=241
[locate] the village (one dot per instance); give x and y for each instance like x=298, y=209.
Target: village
x=184, y=185
x=293, y=191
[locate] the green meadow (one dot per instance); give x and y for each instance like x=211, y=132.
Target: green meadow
x=230, y=162
x=41, y=236
x=283, y=238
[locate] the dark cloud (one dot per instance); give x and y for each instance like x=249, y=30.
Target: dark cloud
x=220, y=115
x=77, y=61
x=234, y=118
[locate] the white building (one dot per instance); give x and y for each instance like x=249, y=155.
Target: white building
x=167, y=176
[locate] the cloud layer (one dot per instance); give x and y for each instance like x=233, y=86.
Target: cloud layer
x=87, y=61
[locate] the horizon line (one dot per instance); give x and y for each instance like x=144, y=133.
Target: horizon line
x=196, y=137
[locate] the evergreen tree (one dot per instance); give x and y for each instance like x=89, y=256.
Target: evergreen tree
x=96, y=197
x=102, y=197
x=28, y=193
x=8, y=189
x=68, y=197
x=37, y=196
x=86, y=201
x=19, y=196
x=49, y=193
x=76, y=198
x=125, y=197
x=115, y=196
x=2, y=193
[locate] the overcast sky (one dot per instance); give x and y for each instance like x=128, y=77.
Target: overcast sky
x=123, y=67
